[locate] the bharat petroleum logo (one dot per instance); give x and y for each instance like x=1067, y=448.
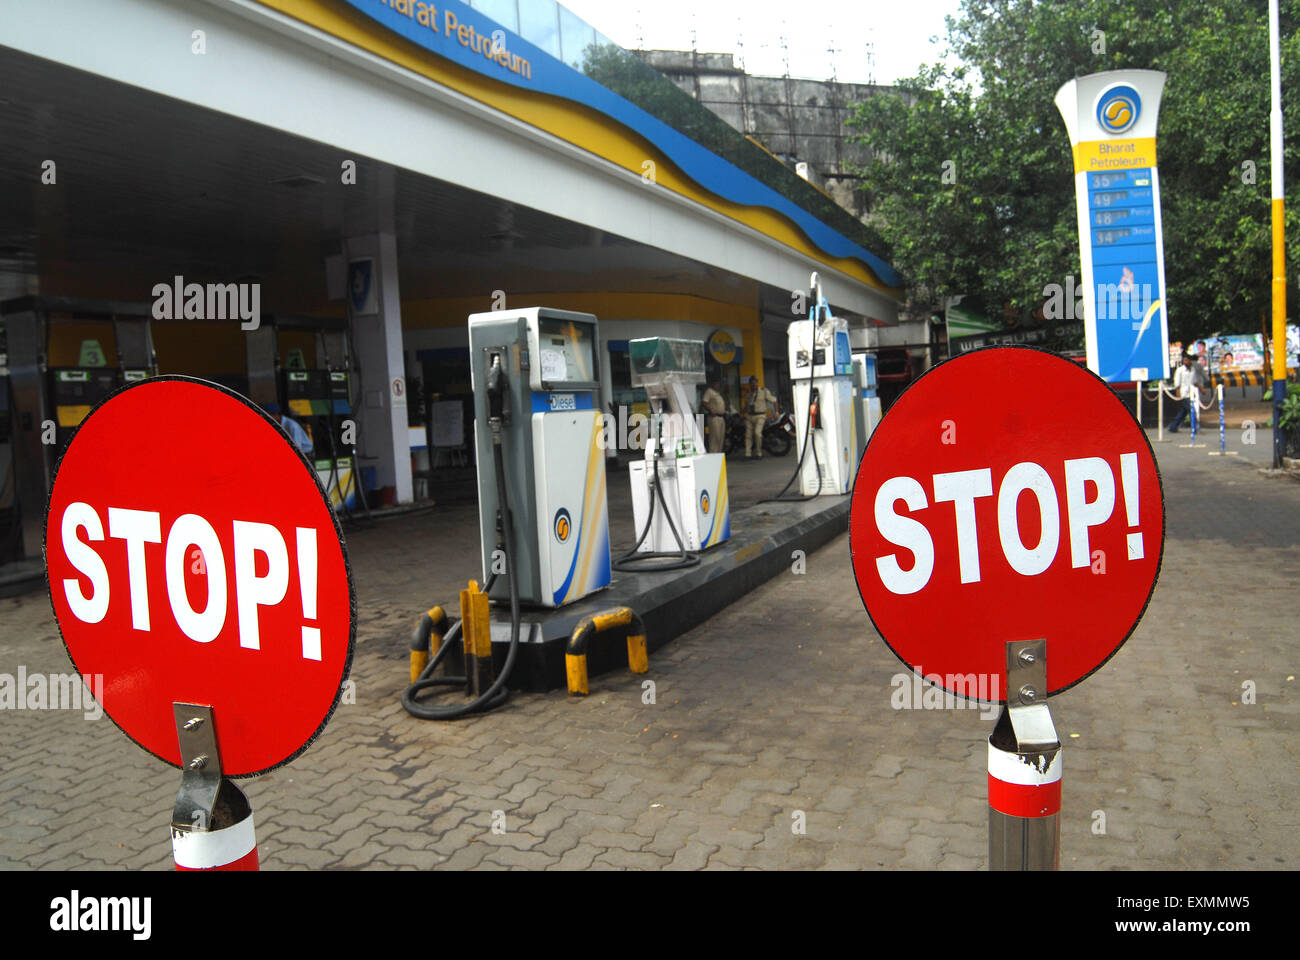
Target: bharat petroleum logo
x=563, y=526
x=722, y=347
x=1118, y=109
x=704, y=502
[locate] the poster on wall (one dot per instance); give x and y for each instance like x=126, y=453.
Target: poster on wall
x=1236, y=353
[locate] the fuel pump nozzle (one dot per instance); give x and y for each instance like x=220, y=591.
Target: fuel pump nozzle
x=497, y=385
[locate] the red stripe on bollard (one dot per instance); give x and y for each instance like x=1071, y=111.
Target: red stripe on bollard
x=1024, y=786
x=1024, y=800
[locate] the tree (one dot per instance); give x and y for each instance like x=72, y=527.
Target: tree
x=972, y=185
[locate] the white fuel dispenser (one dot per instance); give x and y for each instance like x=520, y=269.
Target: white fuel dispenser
x=821, y=373
x=551, y=442
x=693, y=484
x=866, y=403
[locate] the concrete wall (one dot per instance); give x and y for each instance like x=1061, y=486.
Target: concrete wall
x=798, y=120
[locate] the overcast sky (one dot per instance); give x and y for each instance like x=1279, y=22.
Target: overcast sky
x=898, y=32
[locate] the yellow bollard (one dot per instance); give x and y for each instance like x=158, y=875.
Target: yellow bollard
x=575, y=669
x=638, y=660
x=575, y=656
x=476, y=630
x=426, y=640
x=419, y=660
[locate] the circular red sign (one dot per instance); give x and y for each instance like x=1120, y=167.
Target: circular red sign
x=191, y=556
x=1008, y=495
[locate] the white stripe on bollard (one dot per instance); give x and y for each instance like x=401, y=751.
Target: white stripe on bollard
x=231, y=848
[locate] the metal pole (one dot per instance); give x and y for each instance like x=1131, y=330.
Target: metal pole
x=1139, y=402
x=1024, y=763
x=1160, y=413
x=212, y=821
x=1223, y=450
x=1279, y=253
x=947, y=330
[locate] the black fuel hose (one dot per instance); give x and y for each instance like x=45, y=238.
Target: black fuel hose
x=633, y=562
x=798, y=467
x=350, y=364
x=498, y=693
x=354, y=478
x=353, y=485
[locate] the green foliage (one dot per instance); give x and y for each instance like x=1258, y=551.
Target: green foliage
x=1007, y=226
x=1291, y=408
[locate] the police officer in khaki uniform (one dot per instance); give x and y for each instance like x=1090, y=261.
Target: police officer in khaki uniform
x=715, y=407
x=758, y=401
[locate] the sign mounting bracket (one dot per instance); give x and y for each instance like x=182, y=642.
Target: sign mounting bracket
x=1031, y=721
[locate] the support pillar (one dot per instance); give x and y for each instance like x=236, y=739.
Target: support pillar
x=375, y=320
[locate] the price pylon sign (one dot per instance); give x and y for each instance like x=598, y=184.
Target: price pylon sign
x=1111, y=119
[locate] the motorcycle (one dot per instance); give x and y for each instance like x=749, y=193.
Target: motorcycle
x=778, y=435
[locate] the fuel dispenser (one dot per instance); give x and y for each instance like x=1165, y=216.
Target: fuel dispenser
x=75, y=390
x=312, y=382
x=541, y=487
x=821, y=372
x=866, y=404
x=64, y=356
x=551, y=443
x=320, y=400
x=679, y=493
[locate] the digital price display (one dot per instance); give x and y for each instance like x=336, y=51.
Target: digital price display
x=1126, y=268
x=1106, y=218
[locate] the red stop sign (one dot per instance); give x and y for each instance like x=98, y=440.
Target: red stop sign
x=191, y=556
x=1007, y=496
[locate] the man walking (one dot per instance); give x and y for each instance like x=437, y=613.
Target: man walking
x=1189, y=379
x=758, y=401
x=715, y=407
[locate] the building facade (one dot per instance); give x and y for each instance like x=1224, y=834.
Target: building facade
x=353, y=178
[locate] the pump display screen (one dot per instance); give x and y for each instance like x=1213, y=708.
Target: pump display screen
x=566, y=351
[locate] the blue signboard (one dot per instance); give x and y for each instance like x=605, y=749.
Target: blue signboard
x=1126, y=273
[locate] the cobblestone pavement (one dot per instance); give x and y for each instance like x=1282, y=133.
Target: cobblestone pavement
x=775, y=712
